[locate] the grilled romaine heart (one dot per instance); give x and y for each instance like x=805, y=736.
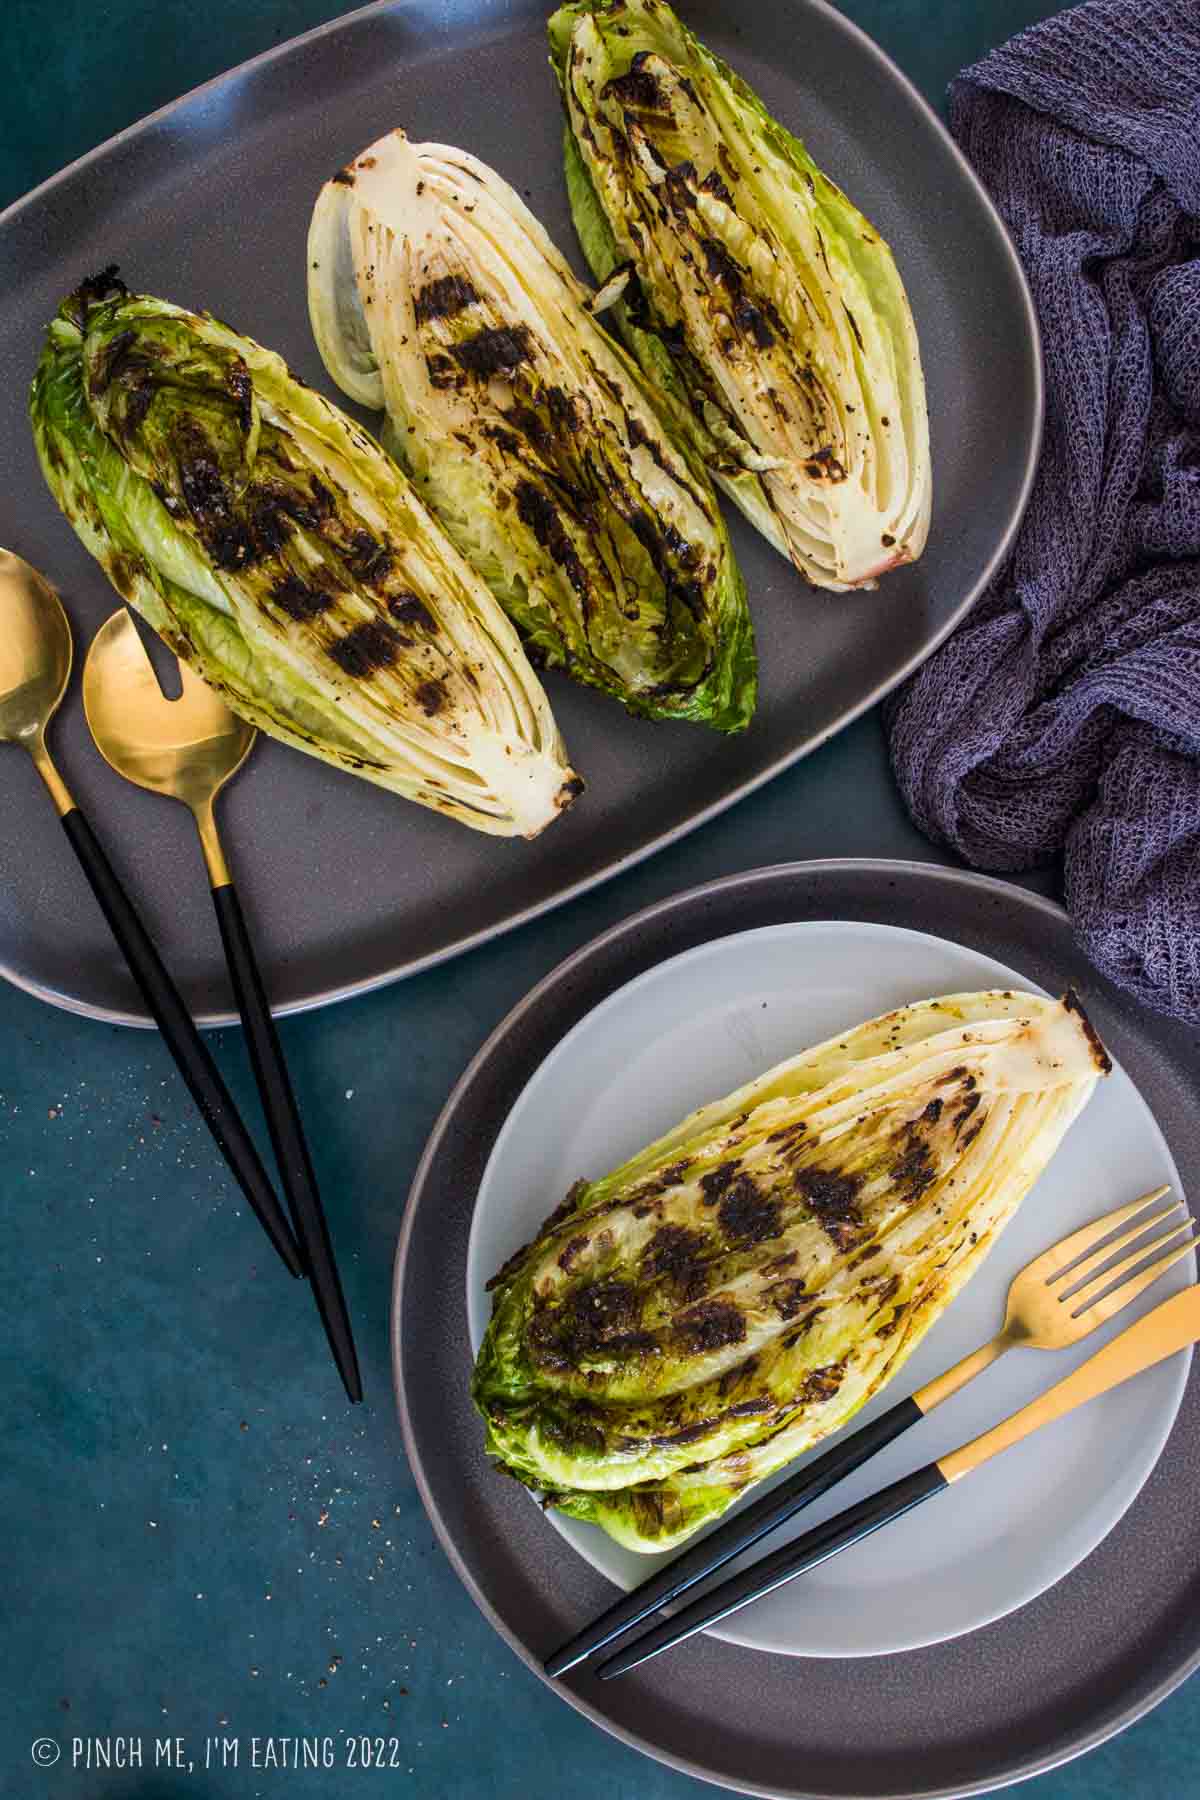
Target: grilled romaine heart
x=691, y=1322
x=281, y=553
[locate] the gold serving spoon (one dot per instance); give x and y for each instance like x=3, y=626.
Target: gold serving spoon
x=35, y=662
x=188, y=749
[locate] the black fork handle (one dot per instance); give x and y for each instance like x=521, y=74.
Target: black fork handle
x=287, y=1135
x=816, y=1546
x=738, y=1534
x=183, y=1040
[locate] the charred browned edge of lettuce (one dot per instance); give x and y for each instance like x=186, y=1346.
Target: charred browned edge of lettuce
x=1074, y=1004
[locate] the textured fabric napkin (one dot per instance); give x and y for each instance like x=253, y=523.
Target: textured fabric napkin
x=1064, y=714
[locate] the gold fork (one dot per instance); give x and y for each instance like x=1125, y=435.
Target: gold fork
x=1067, y=1291
x=1056, y=1300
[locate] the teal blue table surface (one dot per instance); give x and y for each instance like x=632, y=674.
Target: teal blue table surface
x=203, y=1542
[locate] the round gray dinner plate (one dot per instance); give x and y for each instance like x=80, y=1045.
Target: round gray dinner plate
x=347, y=886
x=1046, y=1682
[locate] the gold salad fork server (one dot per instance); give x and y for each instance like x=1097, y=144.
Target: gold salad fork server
x=1056, y=1300
x=189, y=748
x=1067, y=1291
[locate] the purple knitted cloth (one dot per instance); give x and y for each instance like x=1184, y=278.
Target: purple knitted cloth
x=1064, y=714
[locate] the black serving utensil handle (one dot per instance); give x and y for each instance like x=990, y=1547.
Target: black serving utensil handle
x=738, y=1534
x=783, y=1565
x=287, y=1135
x=183, y=1040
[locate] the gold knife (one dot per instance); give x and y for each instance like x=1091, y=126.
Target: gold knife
x=1170, y=1327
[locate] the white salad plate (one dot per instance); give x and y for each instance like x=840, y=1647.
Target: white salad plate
x=697, y=1026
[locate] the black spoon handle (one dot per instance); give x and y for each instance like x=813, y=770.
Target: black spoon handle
x=738, y=1534
x=287, y=1135
x=183, y=1040
x=783, y=1565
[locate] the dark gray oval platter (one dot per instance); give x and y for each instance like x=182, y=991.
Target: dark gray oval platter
x=346, y=887
x=1011, y=1700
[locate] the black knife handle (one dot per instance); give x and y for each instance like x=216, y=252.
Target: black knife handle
x=287, y=1134
x=783, y=1565
x=183, y=1040
x=737, y=1534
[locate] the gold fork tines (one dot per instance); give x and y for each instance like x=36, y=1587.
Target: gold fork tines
x=1099, y=1300
x=1094, y=1271
x=1073, y=1287
x=1065, y=1257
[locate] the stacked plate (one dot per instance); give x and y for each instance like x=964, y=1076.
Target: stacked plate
x=1006, y=1626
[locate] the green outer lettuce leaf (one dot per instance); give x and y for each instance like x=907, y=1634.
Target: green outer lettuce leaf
x=695, y=1320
